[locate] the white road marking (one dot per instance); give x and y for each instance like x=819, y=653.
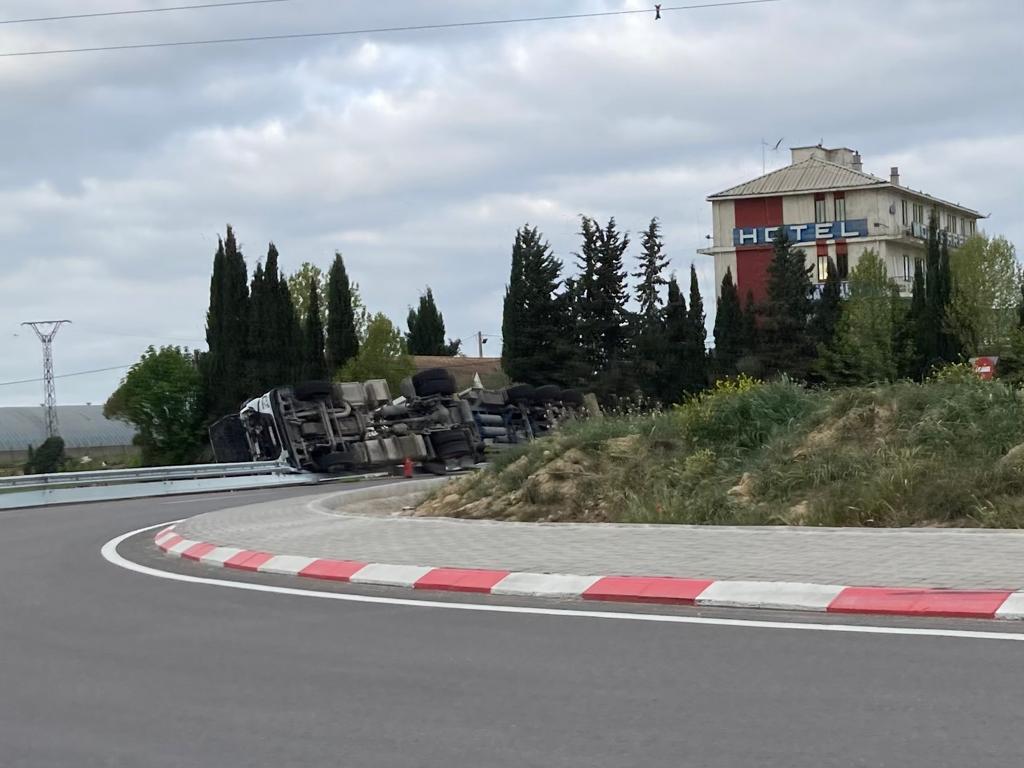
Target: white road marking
x=111, y=555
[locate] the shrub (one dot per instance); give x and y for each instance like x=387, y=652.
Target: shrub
x=47, y=458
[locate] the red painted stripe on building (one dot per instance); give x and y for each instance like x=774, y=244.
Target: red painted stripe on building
x=980, y=604
x=758, y=211
x=170, y=541
x=641, y=589
x=196, y=551
x=460, y=579
x=332, y=570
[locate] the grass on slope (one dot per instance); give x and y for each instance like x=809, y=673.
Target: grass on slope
x=946, y=452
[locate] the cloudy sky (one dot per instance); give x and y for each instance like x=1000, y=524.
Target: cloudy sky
x=418, y=154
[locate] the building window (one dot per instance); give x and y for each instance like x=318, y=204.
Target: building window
x=905, y=209
x=840, y=209
x=822, y=269
x=919, y=264
x=918, y=213
x=907, y=274
x=970, y=226
x=819, y=209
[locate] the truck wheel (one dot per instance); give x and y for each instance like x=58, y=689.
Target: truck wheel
x=435, y=386
x=547, y=393
x=451, y=444
x=336, y=462
x=518, y=393
x=313, y=390
x=571, y=397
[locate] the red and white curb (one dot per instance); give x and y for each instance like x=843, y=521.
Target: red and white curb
x=785, y=595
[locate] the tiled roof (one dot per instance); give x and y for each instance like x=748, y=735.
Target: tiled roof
x=806, y=176
x=81, y=426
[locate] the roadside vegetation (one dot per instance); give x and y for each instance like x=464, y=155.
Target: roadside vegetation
x=946, y=452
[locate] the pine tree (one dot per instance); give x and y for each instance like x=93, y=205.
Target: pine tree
x=651, y=276
x=426, y=328
x=648, y=334
x=728, y=330
x=342, y=342
x=583, y=299
x=787, y=344
x=314, y=364
x=605, y=321
x=672, y=373
x=862, y=349
x=224, y=365
x=535, y=338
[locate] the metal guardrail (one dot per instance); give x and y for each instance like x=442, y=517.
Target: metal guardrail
x=117, y=484
x=146, y=474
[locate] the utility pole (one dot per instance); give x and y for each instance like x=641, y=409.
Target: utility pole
x=46, y=330
x=480, y=343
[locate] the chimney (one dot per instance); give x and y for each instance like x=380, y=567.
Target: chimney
x=858, y=163
x=894, y=176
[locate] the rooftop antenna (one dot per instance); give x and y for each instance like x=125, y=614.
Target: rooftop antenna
x=764, y=148
x=46, y=330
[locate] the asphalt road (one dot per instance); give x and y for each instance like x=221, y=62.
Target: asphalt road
x=100, y=666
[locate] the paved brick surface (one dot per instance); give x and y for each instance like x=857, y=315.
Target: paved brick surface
x=377, y=531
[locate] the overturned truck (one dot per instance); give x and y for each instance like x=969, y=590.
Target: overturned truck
x=341, y=427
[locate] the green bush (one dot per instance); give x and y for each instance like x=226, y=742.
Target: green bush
x=48, y=458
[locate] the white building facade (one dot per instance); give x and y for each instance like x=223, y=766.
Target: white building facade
x=832, y=209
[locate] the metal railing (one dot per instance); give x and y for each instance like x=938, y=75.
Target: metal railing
x=113, y=484
x=147, y=474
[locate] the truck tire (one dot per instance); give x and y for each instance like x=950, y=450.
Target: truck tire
x=313, y=390
x=571, y=397
x=519, y=393
x=337, y=461
x=436, y=385
x=451, y=444
x=547, y=393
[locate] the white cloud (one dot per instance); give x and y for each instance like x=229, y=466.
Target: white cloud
x=418, y=155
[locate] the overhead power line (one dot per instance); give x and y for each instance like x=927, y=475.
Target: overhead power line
x=68, y=375
x=135, y=11
x=383, y=30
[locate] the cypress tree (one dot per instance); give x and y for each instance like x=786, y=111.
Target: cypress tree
x=314, y=364
x=728, y=329
x=788, y=346
x=672, y=376
x=342, y=341
x=260, y=328
x=426, y=328
x=227, y=336
x=696, y=339
x=828, y=307
x=534, y=318
x=751, y=337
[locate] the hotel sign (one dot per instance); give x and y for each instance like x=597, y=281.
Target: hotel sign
x=801, y=233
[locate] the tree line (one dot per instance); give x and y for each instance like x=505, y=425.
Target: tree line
x=583, y=330
x=263, y=331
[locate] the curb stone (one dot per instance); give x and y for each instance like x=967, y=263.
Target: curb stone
x=830, y=598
